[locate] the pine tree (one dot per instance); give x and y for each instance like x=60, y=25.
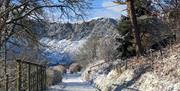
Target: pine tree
x=135, y=28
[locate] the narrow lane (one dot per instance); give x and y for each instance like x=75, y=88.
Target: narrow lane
x=72, y=82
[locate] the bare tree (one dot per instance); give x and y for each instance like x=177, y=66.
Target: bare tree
x=169, y=12
x=14, y=12
x=106, y=48
x=88, y=52
x=18, y=17
x=97, y=48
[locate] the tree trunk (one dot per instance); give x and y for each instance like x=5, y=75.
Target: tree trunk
x=6, y=6
x=135, y=29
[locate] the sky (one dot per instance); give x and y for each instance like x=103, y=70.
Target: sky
x=106, y=8
x=100, y=8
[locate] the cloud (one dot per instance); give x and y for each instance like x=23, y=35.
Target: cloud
x=109, y=5
x=108, y=10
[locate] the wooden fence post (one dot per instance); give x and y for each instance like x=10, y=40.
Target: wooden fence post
x=45, y=78
x=29, y=78
x=126, y=64
x=18, y=75
x=33, y=80
x=41, y=78
x=7, y=82
x=37, y=78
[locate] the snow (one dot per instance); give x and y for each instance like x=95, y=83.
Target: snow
x=63, y=46
x=61, y=51
x=72, y=82
x=72, y=78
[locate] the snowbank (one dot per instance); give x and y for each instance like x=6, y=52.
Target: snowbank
x=159, y=73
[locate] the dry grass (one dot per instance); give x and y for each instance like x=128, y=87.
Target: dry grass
x=162, y=65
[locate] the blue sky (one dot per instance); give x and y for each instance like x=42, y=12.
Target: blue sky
x=106, y=8
x=100, y=8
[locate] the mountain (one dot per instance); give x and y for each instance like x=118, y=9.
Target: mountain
x=64, y=39
x=78, y=31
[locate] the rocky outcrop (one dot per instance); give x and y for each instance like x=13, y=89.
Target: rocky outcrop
x=77, y=31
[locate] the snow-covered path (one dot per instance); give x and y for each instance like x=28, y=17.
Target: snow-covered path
x=72, y=82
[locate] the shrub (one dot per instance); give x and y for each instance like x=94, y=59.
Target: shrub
x=75, y=67
x=60, y=68
x=53, y=76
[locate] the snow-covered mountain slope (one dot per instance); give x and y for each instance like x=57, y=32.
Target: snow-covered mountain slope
x=77, y=31
x=65, y=39
x=62, y=46
x=61, y=51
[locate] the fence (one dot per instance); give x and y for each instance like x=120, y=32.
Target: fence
x=28, y=77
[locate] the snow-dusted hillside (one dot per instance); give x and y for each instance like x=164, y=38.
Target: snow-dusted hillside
x=62, y=46
x=61, y=51
x=148, y=73
x=65, y=39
